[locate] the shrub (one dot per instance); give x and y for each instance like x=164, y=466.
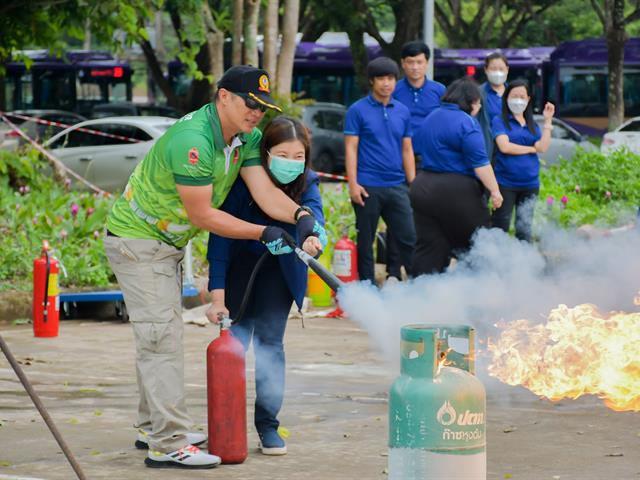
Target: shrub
x=591, y=188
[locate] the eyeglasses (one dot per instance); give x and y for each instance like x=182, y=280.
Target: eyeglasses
x=252, y=104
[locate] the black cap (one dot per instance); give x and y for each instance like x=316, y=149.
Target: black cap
x=250, y=81
x=381, y=67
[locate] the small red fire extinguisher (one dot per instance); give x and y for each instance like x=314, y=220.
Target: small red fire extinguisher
x=226, y=397
x=46, y=302
x=345, y=260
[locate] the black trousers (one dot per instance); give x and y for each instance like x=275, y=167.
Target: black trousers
x=524, y=201
x=392, y=204
x=447, y=209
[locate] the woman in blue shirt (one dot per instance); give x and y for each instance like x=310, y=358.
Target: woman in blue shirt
x=280, y=279
x=496, y=68
x=517, y=166
x=447, y=195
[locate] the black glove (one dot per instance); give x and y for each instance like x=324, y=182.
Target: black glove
x=305, y=227
x=277, y=241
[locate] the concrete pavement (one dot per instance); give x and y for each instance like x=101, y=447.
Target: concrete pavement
x=335, y=408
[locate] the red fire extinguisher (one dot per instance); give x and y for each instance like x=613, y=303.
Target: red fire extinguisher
x=345, y=260
x=344, y=266
x=46, y=302
x=226, y=397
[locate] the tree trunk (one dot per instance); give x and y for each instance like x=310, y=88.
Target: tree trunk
x=251, y=32
x=238, y=22
x=155, y=69
x=86, y=44
x=270, y=49
x=288, y=49
x=360, y=57
x=616, y=38
x=215, y=42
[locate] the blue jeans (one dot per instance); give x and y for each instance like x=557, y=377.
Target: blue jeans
x=264, y=321
x=392, y=204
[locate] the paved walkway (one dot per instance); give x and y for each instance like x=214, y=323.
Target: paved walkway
x=335, y=409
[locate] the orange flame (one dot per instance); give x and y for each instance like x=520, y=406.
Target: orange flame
x=577, y=352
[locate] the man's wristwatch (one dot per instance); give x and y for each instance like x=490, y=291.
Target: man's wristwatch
x=300, y=210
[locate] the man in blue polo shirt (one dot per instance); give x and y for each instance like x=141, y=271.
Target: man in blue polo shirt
x=380, y=163
x=421, y=96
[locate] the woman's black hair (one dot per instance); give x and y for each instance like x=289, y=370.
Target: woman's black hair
x=528, y=112
x=464, y=92
x=285, y=129
x=495, y=56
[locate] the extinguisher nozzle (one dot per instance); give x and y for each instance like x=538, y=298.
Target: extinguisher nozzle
x=329, y=278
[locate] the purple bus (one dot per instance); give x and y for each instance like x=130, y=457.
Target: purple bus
x=325, y=72
x=75, y=82
x=575, y=79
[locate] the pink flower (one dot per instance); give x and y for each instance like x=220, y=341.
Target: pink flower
x=550, y=200
x=21, y=189
x=90, y=210
x=35, y=220
x=17, y=206
x=74, y=210
x=63, y=234
x=607, y=194
x=96, y=234
x=564, y=200
x=67, y=182
x=577, y=189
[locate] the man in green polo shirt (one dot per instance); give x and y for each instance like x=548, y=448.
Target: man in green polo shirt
x=173, y=194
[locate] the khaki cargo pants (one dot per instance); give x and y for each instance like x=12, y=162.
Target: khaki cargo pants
x=148, y=272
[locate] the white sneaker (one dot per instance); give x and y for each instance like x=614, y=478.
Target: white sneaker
x=185, y=457
x=193, y=438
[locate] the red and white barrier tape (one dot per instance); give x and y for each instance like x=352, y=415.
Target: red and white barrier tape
x=52, y=158
x=332, y=176
x=64, y=125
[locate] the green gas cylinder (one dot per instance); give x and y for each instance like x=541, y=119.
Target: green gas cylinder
x=437, y=408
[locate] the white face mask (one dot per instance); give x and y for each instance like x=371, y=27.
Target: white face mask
x=496, y=77
x=517, y=105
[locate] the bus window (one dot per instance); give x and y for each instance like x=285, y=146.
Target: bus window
x=632, y=93
x=26, y=91
x=10, y=92
x=117, y=92
x=56, y=89
x=583, y=92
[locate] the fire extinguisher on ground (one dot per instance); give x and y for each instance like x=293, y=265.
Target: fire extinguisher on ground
x=344, y=265
x=226, y=397
x=46, y=300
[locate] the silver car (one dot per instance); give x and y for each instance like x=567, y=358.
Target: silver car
x=107, y=160
x=626, y=135
x=564, y=141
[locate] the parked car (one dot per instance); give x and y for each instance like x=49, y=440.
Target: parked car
x=326, y=122
x=626, y=135
x=107, y=161
x=118, y=109
x=10, y=139
x=564, y=141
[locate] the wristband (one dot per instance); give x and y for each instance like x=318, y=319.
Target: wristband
x=300, y=210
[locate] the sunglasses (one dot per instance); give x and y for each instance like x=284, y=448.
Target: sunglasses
x=252, y=104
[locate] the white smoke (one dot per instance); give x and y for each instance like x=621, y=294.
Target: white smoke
x=502, y=278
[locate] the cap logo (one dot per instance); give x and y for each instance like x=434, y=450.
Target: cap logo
x=193, y=156
x=263, y=83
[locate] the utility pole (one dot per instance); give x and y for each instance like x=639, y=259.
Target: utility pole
x=427, y=30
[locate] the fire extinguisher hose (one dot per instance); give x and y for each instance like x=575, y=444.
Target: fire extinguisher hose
x=329, y=278
x=46, y=286
x=40, y=406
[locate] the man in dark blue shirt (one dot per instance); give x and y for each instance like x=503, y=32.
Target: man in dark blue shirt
x=421, y=96
x=380, y=163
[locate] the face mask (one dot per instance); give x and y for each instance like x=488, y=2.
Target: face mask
x=496, y=77
x=285, y=170
x=517, y=105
